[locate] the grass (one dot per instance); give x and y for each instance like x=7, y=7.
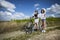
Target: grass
x=10, y=26
x=51, y=22
x=53, y=28
x=14, y=25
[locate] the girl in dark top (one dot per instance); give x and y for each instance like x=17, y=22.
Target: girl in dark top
x=36, y=20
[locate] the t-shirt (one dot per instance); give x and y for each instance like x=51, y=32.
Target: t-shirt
x=43, y=16
x=36, y=16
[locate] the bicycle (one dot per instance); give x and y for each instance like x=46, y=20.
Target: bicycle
x=29, y=27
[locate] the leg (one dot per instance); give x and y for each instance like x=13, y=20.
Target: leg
x=43, y=26
x=35, y=27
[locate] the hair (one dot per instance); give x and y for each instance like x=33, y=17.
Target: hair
x=43, y=10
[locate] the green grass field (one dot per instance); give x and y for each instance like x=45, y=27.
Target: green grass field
x=15, y=25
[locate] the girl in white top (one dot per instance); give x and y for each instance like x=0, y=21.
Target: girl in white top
x=43, y=19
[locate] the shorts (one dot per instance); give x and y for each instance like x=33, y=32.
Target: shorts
x=43, y=19
x=36, y=20
x=43, y=22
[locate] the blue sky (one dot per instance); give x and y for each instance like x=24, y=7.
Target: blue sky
x=27, y=6
x=18, y=9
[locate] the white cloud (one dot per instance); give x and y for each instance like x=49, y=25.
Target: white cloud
x=2, y=0
x=9, y=6
x=8, y=13
x=54, y=9
x=11, y=10
x=19, y=15
x=37, y=8
x=5, y=15
x=52, y=15
x=8, y=16
x=26, y=17
x=36, y=5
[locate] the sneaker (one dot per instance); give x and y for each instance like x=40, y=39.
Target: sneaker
x=43, y=31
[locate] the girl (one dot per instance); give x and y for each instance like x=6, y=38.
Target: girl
x=36, y=20
x=43, y=19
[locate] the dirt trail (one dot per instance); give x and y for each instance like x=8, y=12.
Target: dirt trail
x=52, y=35
x=42, y=36
x=11, y=34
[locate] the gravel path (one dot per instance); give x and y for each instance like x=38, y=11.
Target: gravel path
x=52, y=35
x=55, y=34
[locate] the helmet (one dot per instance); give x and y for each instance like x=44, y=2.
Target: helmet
x=36, y=10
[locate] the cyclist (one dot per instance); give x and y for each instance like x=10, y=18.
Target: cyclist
x=36, y=20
